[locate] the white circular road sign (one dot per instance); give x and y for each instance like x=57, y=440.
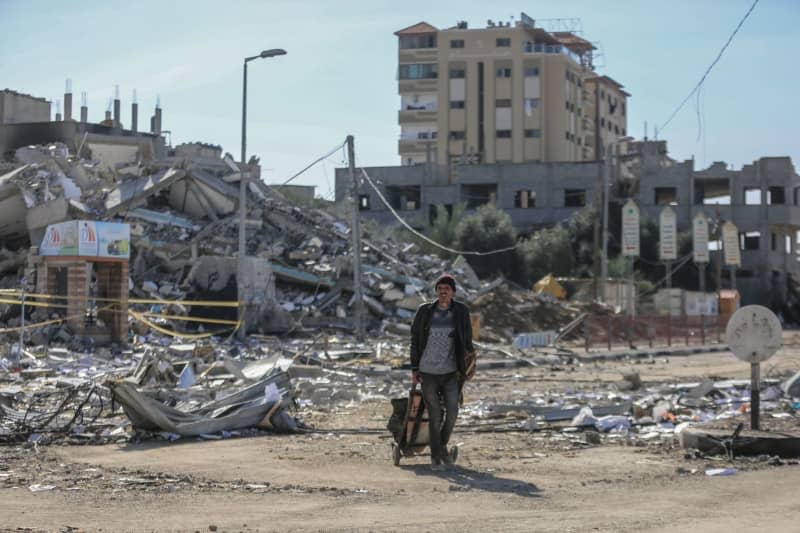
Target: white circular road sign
x=754, y=333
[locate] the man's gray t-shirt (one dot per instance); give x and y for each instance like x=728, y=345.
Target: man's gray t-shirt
x=439, y=356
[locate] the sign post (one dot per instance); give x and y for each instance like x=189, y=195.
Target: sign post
x=754, y=334
x=630, y=242
x=730, y=240
x=700, y=253
x=667, y=252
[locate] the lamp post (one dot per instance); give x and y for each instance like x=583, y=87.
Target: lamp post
x=606, y=176
x=243, y=189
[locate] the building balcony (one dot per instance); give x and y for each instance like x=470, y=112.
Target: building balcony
x=416, y=146
x=414, y=55
x=538, y=48
x=420, y=85
x=417, y=115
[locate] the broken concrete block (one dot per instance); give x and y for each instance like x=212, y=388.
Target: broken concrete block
x=149, y=286
x=392, y=295
x=792, y=386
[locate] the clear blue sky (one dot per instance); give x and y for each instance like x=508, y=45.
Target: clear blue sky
x=339, y=75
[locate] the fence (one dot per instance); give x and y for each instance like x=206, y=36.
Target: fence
x=655, y=330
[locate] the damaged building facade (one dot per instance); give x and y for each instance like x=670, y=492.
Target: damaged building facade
x=762, y=199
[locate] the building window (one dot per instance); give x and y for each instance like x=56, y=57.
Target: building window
x=504, y=73
x=503, y=42
x=531, y=72
x=602, y=123
x=503, y=134
x=776, y=196
x=616, y=129
x=502, y=102
x=456, y=135
x=477, y=195
x=457, y=43
x=623, y=109
x=533, y=134
x=419, y=71
x=752, y=196
x=666, y=196
x=525, y=199
x=574, y=197
x=750, y=240
x=363, y=202
x=457, y=73
x=530, y=105
x=417, y=41
x=457, y=104
x=773, y=241
x=404, y=198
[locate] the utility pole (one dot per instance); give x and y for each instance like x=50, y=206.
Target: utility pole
x=240, y=258
x=720, y=257
x=356, y=234
x=604, y=263
x=598, y=196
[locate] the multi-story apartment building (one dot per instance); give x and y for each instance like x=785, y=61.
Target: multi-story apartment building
x=502, y=94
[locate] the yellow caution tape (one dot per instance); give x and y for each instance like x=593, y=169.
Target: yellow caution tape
x=34, y=325
x=32, y=304
x=207, y=303
x=210, y=303
x=141, y=318
x=192, y=318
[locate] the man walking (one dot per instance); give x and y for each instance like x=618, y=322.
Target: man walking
x=441, y=345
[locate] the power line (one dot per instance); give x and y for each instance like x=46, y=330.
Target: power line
x=420, y=235
x=330, y=153
x=711, y=66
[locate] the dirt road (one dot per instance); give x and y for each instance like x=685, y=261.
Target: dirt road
x=345, y=481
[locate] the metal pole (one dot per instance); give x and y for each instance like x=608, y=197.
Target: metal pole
x=755, y=399
x=702, y=267
x=599, y=195
x=21, y=326
x=733, y=277
x=631, y=298
x=604, y=263
x=669, y=305
x=242, y=211
x=356, y=234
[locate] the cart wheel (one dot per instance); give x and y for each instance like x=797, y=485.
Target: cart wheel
x=453, y=453
x=396, y=454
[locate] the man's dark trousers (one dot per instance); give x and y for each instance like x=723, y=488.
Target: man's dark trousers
x=438, y=389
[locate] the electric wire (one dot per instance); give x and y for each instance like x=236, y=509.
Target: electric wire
x=420, y=235
x=322, y=158
x=708, y=70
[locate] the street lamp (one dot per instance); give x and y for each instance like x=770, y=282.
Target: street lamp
x=606, y=175
x=243, y=188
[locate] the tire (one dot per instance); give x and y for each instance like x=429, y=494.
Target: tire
x=453, y=453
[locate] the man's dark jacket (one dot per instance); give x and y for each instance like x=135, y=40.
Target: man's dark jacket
x=421, y=328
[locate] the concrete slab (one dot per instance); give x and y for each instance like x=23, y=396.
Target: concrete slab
x=748, y=442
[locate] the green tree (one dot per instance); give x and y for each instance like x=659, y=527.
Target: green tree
x=489, y=228
x=546, y=251
x=580, y=228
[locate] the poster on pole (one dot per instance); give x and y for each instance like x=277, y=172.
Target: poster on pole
x=700, y=238
x=730, y=242
x=630, y=229
x=668, y=234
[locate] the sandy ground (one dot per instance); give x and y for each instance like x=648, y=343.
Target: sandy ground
x=344, y=479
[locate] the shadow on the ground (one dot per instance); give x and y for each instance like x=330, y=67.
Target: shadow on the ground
x=464, y=479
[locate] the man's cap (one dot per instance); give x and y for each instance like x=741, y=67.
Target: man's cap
x=447, y=279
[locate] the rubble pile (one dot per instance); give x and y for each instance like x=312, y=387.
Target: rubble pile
x=506, y=312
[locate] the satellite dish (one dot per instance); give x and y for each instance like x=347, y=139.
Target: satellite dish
x=754, y=334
